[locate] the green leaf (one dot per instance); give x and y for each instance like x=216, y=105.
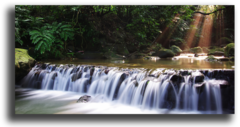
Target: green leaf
x=39, y=45
x=37, y=40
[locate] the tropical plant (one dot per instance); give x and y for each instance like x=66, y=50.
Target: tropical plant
x=43, y=38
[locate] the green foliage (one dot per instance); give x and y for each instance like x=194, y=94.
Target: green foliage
x=196, y=50
x=227, y=39
x=175, y=49
x=157, y=47
x=229, y=49
x=210, y=58
x=43, y=38
x=215, y=49
x=71, y=53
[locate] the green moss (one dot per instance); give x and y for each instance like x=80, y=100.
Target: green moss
x=229, y=49
x=196, y=50
x=164, y=53
x=21, y=56
x=211, y=58
x=214, y=50
x=175, y=49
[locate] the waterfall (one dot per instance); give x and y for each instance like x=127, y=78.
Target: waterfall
x=147, y=89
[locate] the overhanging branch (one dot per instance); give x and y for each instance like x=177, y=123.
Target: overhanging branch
x=203, y=12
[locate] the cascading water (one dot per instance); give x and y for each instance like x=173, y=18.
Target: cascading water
x=180, y=90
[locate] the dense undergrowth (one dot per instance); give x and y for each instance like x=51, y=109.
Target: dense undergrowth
x=58, y=32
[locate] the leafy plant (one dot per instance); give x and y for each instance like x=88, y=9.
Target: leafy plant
x=43, y=38
x=71, y=53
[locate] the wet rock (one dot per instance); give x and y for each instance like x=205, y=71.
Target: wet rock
x=84, y=99
x=144, y=88
x=135, y=83
x=200, y=87
x=92, y=71
x=106, y=71
x=151, y=75
x=184, y=73
x=85, y=69
x=198, y=76
x=54, y=75
x=176, y=78
x=37, y=73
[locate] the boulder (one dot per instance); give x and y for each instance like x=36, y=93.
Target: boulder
x=92, y=71
x=84, y=99
x=177, y=79
x=164, y=53
x=23, y=63
x=229, y=49
x=176, y=50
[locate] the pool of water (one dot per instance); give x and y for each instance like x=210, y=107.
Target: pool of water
x=61, y=102
x=179, y=62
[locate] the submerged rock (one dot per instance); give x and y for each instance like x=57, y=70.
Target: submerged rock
x=84, y=99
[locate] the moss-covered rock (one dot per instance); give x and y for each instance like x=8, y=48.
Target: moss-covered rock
x=211, y=58
x=164, y=53
x=176, y=50
x=216, y=53
x=229, y=49
x=196, y=50
x=23, y=63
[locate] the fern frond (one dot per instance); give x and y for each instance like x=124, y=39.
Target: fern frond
x=58, y=26
x=42, y=49
x=64, y=26
x=47, y=46
x=39, y=45
x=65, y=37
x=60, y=46
x=62, y=35
x=43, y=29
x=48, y=38
x=67, y=29
x=37, y=40
x=34, y=32
x=60, y=41
x=35, y=36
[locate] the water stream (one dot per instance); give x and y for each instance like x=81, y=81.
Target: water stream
x=53, y=88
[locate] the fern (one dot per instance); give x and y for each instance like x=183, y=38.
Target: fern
x=43, y=38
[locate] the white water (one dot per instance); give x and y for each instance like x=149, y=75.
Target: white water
x=126, y=90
